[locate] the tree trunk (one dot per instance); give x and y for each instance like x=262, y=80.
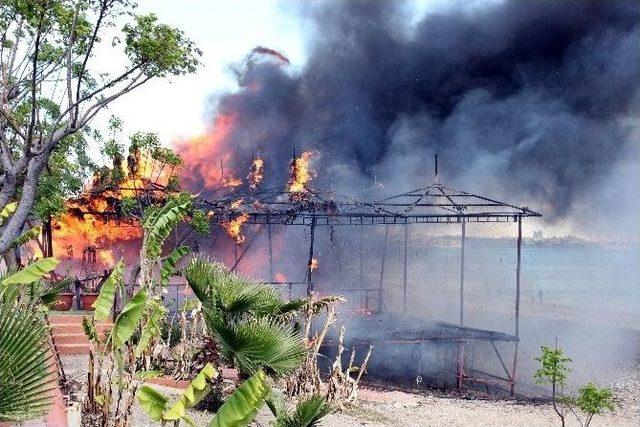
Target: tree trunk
x=15, y=224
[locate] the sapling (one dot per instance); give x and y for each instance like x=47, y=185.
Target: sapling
x=590, y=400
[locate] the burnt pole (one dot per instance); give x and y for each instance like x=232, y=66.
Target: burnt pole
x=310, y=263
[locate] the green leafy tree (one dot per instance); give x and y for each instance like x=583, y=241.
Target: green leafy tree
x=52, y=87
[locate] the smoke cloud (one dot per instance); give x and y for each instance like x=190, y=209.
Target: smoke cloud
x=528, y=100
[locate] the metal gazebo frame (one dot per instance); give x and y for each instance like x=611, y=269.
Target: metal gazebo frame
x=435, y=203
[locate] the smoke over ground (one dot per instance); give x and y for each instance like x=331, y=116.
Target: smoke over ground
x=525, y=100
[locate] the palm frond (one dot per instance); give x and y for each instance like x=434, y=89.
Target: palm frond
x=26, y=364
x=258, y=344
x=308, y=413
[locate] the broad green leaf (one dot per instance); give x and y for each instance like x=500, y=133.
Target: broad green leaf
x=152, y=329
x=32, y=272
x=128, y=320
x=89, y=329
x=242, y=406
x=26, y=363
x=159, y=225
x=104, y=303
x=195, y=392
x=153, y=402
x=31, y=234
x=169, y=264
x=7, y=211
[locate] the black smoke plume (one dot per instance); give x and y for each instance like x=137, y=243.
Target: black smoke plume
x=529, y=100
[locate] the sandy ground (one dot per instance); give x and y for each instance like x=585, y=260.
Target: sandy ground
x=397, y=408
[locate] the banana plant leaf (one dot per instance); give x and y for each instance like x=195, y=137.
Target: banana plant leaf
x=128, y=320
x=151, y=329
x=169, y=265
x=32, y=272
x=104, y=303
x=243, y=405
x=7, y=211
x=195, y=392
x=153, y=402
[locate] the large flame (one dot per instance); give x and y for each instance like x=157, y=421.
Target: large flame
x=256, y=174
x=234, y=227
x=204, y=156
x=93, y=228
x=300, y=173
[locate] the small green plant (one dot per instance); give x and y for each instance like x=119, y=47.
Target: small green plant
x=591, y=399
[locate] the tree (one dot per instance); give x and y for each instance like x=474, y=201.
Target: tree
x=51, y=88
x=591, y=399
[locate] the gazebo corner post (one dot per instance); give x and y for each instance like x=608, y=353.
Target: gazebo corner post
x=517, y=304
x=382, y=263
x=312, y=233
x=460, y=364
x=271, y=278
x=404, y=270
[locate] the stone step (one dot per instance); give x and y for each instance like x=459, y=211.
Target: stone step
x=63, y=339
x=67, y=349
x=71, y=317
x=75, y=328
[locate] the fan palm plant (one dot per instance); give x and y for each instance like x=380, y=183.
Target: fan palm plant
x=249, y=320
x=26, y=360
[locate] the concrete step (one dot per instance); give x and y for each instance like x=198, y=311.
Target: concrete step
x=66, y=349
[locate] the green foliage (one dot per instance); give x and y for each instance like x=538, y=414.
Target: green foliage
x=245, y=317
x=155, y=404
x=104, y=303
x=169, y=264
x=591, y=399
x=553, y=369
x=153, y=327
x=31, y=273
x=194, y=393
x=7, y=211
x=26, y=378
x=594, y=400
x=308, y=413
x=160, y=221
x=258, y=344
x=243, y=405
x=128, y=320
x=158, y=48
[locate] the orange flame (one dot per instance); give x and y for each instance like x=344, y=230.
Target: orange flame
x=300, y=174
x=237, y=203
x=90, y=229
x=256, y=173
x=231, y=182
x=234, y=228
x=201, y=154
